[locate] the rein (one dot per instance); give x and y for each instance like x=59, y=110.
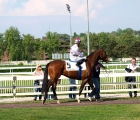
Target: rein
x=106, y=73
x=105, y=70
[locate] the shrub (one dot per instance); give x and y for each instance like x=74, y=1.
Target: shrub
x=20, y=64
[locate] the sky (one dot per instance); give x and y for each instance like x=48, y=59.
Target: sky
x=37, y=17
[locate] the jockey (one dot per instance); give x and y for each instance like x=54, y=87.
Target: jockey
x=76, y=54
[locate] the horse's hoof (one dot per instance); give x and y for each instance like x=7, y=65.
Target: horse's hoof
x=58, y=102
x=43, y=102
x=79, y=101
x=90, y=99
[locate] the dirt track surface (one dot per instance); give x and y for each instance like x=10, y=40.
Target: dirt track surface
x=54, y=104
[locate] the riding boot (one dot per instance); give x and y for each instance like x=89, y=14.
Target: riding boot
x=80, y=62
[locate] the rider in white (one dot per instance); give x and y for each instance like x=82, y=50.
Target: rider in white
x=75, y=54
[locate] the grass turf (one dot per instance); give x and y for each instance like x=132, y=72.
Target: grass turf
x=93, y=112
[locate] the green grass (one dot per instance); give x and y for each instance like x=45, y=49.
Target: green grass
x=92, y=112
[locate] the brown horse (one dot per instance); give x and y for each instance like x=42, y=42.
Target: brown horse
x=57, y=68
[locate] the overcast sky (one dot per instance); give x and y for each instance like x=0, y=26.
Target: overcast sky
x=37, y=17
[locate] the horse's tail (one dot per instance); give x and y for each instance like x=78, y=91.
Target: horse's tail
x=45, y=79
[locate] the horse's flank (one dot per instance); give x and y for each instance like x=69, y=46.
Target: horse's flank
x=60, y=67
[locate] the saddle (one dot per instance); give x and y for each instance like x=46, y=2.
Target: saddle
x=71, y=66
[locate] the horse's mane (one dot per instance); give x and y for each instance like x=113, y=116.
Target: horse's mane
x=91, y=54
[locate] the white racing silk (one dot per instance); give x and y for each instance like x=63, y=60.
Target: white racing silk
x=75, y=53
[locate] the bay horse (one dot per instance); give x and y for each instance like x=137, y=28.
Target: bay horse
x=57, y=68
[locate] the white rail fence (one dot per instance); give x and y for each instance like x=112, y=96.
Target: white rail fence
x=21, y=85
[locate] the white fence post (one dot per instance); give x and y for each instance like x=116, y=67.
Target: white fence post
x=14, y=87
x=114, y=78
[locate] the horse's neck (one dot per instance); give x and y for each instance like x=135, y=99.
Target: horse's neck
x=93, y=59
x=91, y=62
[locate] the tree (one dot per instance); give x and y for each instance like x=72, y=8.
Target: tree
x=137, y=32
x=129, y=31
x=29, y=47
x=110, y=48
x=103, y=40
x=38, y=49
x=82, y=34
x=52, y=43
x=119, y=32
x=12, y=37
x=65, y=37
x=127, y=37
x=2, y=45
x=94, y=43
x=134, y=49
x=119, y=51
x=75, y=35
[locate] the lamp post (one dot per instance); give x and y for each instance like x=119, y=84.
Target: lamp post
x=68, y=8
x=88, y=29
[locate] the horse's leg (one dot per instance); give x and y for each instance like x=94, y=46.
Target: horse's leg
x=47, y=90
x=54, y=91
x=45, y=96
x=81, y=89
x=93, y=89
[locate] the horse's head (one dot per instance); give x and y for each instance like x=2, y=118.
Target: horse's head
x=98, y=55
x=103, y=56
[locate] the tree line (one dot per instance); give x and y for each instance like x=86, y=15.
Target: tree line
x=117, y=44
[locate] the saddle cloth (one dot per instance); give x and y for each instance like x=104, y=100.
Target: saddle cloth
x=71, y=66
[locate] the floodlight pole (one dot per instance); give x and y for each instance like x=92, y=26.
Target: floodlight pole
x=88, y=29
x=68, y=8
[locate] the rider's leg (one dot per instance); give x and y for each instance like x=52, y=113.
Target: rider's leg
x=79, y=62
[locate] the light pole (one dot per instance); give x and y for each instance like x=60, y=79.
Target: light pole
x=68, y=8
x=88, y=29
